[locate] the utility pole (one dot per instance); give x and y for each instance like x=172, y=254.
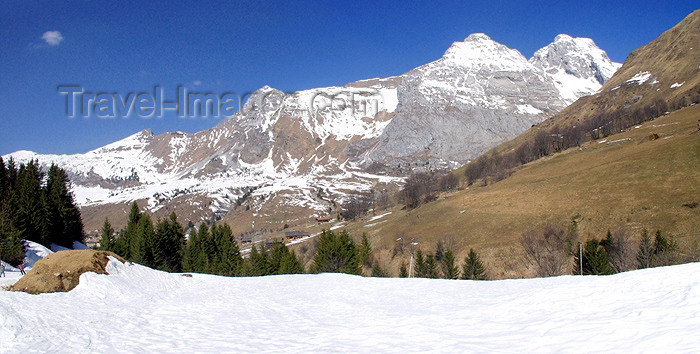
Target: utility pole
x=580, y=257
x=413, y=248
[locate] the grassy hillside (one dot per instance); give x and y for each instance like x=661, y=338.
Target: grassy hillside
x=624, y=181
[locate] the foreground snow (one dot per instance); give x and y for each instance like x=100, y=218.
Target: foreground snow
x=137, y=309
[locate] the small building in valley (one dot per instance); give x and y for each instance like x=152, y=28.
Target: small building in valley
x=246, y=239
x=326, y=218
x=295, y=234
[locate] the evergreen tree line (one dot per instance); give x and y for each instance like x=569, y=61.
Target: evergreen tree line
x=497, y=166
x=442, y=264
x=158, y=246
x=35, y=206
x=214, y=251
x=550, y=249
x=612, y=254
x=211, y=250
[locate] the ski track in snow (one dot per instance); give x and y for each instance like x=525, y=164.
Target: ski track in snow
x=136, y=309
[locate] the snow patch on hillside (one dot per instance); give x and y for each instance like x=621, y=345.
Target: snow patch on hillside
x=677, y=85
x=639, y=78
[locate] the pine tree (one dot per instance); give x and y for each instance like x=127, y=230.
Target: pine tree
x=126, y=243
x=191, y=261
x=419, y=270
x=258, y=263
x=284, y=261
x=595, y=259
x=378, y=272
x=4, y=187
x=66, y=225
x=473, y=268
x=107, y=241
x=278, y=249
x=336, y=254
x=12, y=174
x=449, y=269
x=403, y=272
x=29, y=205
x=4, y=196
x=11, y=246
x=143, y=250
x=290, y=264
x=665, y=250
x=247, y=267
x=205, y=257
x=365, y=251
x=607, y=241
x=645, y=256
x=228, y=256
x=431, y=267
x=168, y=244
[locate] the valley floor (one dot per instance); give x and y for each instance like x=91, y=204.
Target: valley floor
x=136, y=309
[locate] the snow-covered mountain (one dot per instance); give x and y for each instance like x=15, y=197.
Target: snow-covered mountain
x=576, y=65
x=482, y=92
x=299, y=154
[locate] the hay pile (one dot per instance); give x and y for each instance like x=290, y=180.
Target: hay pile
x=60, y=272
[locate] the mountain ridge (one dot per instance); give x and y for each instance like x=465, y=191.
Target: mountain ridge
x=309, y=149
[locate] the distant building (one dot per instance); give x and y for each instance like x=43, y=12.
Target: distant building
x=272, y=240
x=295, y=234
x=326, y=218
x=246, y=239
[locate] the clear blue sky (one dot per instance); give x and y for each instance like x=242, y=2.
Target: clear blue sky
x=127, y=46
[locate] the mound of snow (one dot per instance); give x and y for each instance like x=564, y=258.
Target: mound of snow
x=76, y=246
x=56, y=248
x=80, y=246
x=136, y=309
x=33, y=252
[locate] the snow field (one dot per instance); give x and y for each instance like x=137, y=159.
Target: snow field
x=136, y=309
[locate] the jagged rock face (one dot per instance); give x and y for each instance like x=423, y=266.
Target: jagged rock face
x=289, y=147
x=482, y=92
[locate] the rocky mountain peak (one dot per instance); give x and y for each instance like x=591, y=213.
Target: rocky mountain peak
x=562, y=38
x=479, y=50
x=475, y=37
x=577, y=65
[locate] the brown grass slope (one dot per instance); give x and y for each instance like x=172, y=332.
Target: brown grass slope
x=626, y=181
x=60, y=271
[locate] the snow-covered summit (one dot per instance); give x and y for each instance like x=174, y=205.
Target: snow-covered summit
x=483, y=90
x=576, y=66
x=479, y=50
x=131, y=142
x=562, y=37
